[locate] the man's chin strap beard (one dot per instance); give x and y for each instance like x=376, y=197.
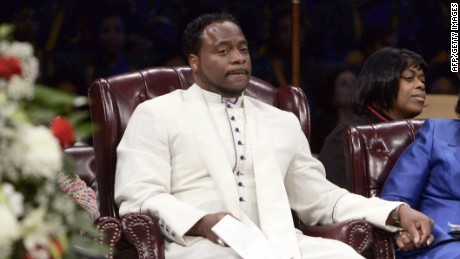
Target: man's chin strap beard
x=230, y=93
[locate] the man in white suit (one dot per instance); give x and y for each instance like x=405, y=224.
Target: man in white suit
x=191, y=157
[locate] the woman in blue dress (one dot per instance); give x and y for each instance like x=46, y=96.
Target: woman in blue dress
x=427, y=177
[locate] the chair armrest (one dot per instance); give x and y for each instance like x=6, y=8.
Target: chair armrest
x=141, y=231
x=356, y=233
x=111, y=229
x=384, y=246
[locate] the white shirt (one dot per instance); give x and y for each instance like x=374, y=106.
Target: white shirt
x=230, y=121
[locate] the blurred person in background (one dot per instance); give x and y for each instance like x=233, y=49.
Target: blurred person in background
x=109, y=58
x=333, y=109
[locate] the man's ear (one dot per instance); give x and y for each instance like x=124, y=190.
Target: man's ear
x=193, y=62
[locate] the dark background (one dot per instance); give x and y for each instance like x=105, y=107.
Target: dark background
x=67, y=37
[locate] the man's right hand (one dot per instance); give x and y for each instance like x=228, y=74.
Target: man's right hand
x=418, y=225
x=204, y=225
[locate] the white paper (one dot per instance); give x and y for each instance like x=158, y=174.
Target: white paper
x=247, y=242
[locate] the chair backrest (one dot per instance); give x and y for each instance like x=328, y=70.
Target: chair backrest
x=85, y=164
x=372, y=150
x=113, y=100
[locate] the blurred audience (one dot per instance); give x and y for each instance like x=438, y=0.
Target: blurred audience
x=76, y=44
x=443, y=81
x=109, y=58
x=333, y=106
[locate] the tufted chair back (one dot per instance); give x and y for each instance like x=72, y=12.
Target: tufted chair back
x=85, y=164
x=113, y=100
x=370, y=153
x=372, y=150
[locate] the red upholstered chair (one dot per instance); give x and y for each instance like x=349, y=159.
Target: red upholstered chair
x=113, y=100
x=370, y=153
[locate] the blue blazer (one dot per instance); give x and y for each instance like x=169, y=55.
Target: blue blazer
x=427, y=177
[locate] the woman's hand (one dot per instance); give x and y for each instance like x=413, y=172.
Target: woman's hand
x=404, y=241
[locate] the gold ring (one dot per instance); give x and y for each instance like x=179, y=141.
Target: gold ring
x=220, y=242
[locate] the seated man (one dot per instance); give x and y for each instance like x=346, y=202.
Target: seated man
x=191, y=157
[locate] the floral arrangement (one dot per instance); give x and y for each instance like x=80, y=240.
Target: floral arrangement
x=38, y=219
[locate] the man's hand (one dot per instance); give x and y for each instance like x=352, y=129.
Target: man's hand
x=204, y=225
x=417, y=225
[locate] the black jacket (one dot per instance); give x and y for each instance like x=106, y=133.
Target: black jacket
x=332, y=153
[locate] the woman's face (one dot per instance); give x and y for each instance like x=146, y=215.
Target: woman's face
x=411, y=95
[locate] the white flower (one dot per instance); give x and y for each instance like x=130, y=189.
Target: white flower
x=20, y=87
x=38, y=232
x=46, y=191
x=16, y=49
x=10, y=231
x=35, y=232
x=35, y=215
x=14, y=200
x=36, y=152
x=63, y=205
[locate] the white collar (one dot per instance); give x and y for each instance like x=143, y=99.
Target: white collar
x=212, y=97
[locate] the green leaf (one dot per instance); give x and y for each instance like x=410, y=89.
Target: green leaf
x=51, y=97
x=83, y=247
x=6, y=31
x=84, y=131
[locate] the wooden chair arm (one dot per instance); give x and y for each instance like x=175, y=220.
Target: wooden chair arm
x=356, y=233
x=141, y=231
x=111, y=229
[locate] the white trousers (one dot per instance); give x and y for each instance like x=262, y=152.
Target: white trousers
x=310, y=248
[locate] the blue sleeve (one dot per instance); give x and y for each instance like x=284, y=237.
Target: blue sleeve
x=409, y=175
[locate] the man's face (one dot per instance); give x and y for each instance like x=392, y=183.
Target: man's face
x=223, y=65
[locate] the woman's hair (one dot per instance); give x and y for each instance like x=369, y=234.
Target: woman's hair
x=192, y=36
x=378, y=82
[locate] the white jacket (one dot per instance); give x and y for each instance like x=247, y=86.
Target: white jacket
x=171, y=164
